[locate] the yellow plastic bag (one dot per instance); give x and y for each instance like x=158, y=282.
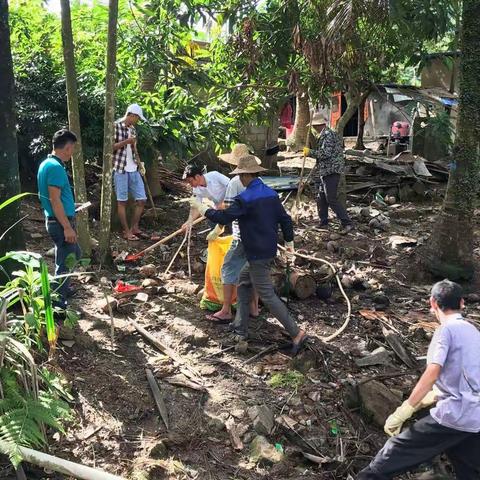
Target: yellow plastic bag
x=213, y=294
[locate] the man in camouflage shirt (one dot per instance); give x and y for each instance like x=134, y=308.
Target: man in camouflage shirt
x=328, y=169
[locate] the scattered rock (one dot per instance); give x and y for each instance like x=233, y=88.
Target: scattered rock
x=141, y=297
x=159, y=451
x=380, y=222
x=381, y=300
x=315, y=396
x=262, y=418
x=335, y=236
x=286, y=421
x=304, y=361
x=241, y=347
x=390, y=200
x=50, y=253
x=236, y=432
x=216, y=424
x=365, y=212
x=264, y=452
x=103, y=303
x=150, y=282
x=379, y=356
x=378, y=402
x=324, y=291
x=149, y=270
x=332, y=247
x=294, y=401
x=258, y=369
x=198, y=339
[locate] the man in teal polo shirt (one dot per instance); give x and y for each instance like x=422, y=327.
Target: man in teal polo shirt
x=56, y=198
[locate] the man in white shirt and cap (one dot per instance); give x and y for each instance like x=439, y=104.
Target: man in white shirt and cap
x=211, y=185
x=128, y=171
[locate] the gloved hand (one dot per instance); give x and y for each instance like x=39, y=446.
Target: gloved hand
x=429, y=399
x=394, y=422
x=141, y=169
x=194, y=203
x=215, y=233
x=290, y=247
x=306, y=151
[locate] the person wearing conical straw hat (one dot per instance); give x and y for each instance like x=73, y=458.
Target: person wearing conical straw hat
x=235, y=258
x=259, y=212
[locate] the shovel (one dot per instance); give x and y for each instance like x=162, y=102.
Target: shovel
x=135, y=256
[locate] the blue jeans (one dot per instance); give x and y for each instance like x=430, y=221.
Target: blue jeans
x=233, y=263
x=62, y=251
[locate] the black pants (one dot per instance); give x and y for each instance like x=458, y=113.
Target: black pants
x=327, y=196
x=422, y=442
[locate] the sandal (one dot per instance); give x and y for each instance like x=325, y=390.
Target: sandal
x=220, y=321
x=141, y=234
x=298, y=347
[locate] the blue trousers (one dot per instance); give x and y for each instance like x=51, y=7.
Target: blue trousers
x=62, y=250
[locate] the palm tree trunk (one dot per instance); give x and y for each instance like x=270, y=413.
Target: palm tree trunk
x=299, y=135
x=450, y=247
x=78, y=167
x=10, y=178
x=108, y=133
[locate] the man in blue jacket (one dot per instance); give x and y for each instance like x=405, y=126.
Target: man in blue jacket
x=259, y=212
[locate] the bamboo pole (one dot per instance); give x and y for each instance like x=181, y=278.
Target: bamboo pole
x=65, y=466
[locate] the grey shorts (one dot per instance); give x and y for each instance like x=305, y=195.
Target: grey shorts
x=233, y=263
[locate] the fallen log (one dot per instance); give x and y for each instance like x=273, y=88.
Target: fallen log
x=300, y=282
x=340, y=286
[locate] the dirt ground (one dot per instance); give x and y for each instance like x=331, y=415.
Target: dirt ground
x=117, y=426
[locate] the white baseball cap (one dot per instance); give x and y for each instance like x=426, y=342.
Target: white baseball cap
x=136, y=110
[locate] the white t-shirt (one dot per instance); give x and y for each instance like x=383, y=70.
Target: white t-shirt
x=235, y=188
x=131, y=165
x=215, y=189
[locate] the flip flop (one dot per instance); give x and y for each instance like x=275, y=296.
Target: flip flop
x=220, y=321
x=298, y=347
x=141, y=234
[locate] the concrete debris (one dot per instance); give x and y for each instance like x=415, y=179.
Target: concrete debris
x=262, y=418
x=261, y=451
x=378, y=401
x=380, y=356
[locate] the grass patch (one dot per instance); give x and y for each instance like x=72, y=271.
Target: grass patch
x=289, y=379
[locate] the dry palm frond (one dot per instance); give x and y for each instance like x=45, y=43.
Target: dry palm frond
x=344, y=14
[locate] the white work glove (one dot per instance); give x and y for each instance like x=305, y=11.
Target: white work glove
x=394, y=422
x=141, y=169
x=194, y=203
x=429, y=399
x=215, y=233
x=290, y=247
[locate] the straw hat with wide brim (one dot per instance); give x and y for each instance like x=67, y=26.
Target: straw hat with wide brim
x=248, y=164
x=239, y=150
